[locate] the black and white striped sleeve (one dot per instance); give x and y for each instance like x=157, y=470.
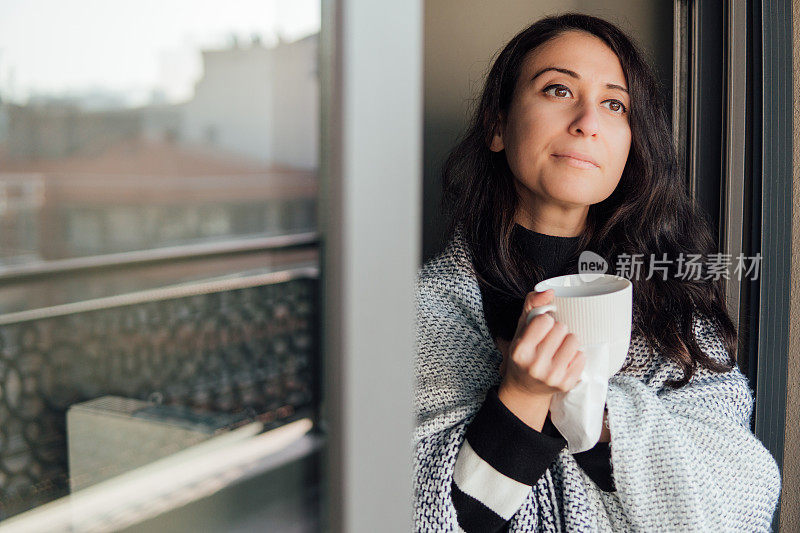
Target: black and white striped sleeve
x=500, y=460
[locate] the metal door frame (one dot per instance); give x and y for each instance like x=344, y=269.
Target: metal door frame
x=370, y=213
x=747, y=186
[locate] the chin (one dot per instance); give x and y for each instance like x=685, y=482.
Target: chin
x=573, y=202
x=576, y=191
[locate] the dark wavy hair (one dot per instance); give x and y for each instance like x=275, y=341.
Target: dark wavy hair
x=649, y=212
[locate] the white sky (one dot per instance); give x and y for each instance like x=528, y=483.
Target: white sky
x=132, y=46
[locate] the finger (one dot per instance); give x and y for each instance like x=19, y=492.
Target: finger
x=537, y=299
x=570, y=383
x=533, y=299
x=564, y=355
x=530, y=337
x=575, y=369
x=547, y=348
x=578, y=362
x=572, y=376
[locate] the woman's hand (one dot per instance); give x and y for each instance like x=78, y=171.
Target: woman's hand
x=541, y=359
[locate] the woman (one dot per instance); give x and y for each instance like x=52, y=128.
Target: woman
x=569, y=150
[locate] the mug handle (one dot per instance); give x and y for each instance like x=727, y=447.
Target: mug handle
x=536, y=311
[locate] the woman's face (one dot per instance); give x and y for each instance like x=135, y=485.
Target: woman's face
x=570, y=104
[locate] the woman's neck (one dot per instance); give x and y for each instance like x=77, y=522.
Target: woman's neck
x=554, y=220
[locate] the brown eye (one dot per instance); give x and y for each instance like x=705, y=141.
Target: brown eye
x=560, y=91
x=616, y=106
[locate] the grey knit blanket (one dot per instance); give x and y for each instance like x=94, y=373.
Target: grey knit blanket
x=683, y=460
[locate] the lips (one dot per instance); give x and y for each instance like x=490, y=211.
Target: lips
x=579, y=156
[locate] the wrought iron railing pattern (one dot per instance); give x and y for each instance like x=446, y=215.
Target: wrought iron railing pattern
x=239, y=345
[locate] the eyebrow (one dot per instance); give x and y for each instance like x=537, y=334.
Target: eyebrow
x=575, y=75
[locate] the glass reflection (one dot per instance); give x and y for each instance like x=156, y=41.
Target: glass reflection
x=228, y=149
x=134, y=127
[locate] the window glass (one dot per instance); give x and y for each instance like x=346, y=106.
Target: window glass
x=158, y=255
x=138, y=125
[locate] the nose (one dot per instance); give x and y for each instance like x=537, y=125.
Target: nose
x=587, y=121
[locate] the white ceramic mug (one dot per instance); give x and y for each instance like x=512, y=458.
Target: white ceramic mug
x=597, y=308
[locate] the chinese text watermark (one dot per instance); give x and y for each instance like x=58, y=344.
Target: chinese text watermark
x=687, y=266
